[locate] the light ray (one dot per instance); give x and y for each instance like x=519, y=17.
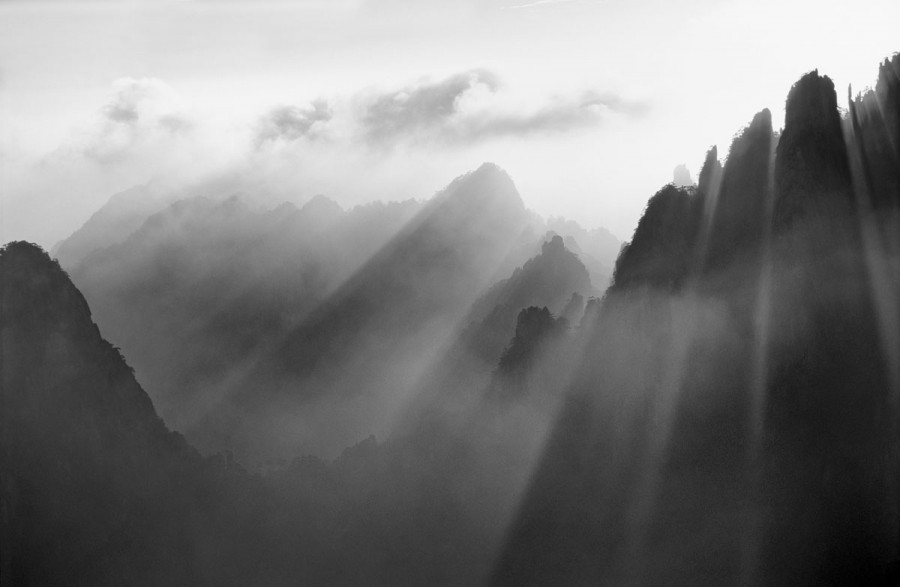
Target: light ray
x=752, y=535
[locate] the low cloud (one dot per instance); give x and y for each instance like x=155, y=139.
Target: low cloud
x=471, y=107
x=290, y=123
x=139, y=111
x=557, y=116
x=427, y=107
x=410, y=139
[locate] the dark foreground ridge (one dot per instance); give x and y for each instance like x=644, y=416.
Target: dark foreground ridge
x=737, y=421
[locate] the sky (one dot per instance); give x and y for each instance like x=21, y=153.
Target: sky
x=589, y=105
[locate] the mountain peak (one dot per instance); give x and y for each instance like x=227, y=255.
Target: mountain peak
x=487, y=190
x=49, y=326
x=32, y=280
x=812, y=173
x=711, y=173
x=554, y=246
x=811, y=100
x=320, y=205
x=490, y=168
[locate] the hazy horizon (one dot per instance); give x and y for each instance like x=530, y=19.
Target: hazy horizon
x=588, y=105
x=571, y=292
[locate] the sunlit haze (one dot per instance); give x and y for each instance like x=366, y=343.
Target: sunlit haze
x=589, y=105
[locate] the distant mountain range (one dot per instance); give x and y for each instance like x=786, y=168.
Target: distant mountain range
x=725, y=412
x=226, y=311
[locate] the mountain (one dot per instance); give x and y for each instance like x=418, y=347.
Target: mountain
x=743, y=201
x=95, y=489
x=206, y=284
x=597, y=248
x=111, y=224
x=361, y=352
x=547, y=280
x=213, y=299
x=225, y=310
x=734, y=419
x=726, y=413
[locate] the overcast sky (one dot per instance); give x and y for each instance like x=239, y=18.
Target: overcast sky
x=589, y=105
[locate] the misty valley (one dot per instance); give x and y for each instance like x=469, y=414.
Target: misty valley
x=199, y=389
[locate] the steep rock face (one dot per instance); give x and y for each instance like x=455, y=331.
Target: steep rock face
x=888, y=92
x=94, y=490
x=660, y=252
x=734, y=425
x=812, y=174
x=743, y=209
x=89, y=470
x=874, y=137
x=829, y=413
x=711, y=174
x=547, y=280
x=534, y=328
x=597, y=248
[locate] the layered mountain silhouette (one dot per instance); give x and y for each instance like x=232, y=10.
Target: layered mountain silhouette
x=97, y=491
x=205, y=285
x=547, y=280
x=735, y=420
x=726, y=413
x=228, y=311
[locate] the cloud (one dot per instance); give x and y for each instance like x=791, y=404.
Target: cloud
x=556, y=116
x=423, y=108
x=410, y=139
x=470, y=107
x=290, y=123
x=138, y=111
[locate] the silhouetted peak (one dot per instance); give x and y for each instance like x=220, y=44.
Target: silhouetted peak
x=812, y=100
x=28, y=253
x=889, y=71
x=681, y=176
x=737, y=219
x=487, y=188
x=546, y=280
x=533, y=327
x=711, y=173
x=662, y=243
x=532, y=322
x=762, y=119
x=754, y=141
x=812, y=174
x=488, y=169
x=320, y=205
x=553, y=247
x=887, y=91
x=35, y=288
x=49, y=326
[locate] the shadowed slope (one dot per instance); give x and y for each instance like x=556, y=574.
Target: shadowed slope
x=94, y=485
x=749, y=400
